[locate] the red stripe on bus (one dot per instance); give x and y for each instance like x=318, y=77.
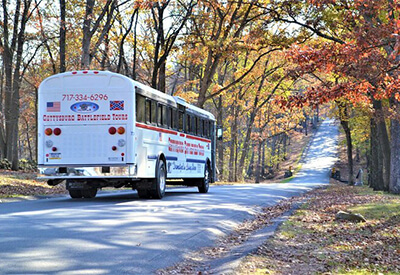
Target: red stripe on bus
x=182, y=135
x=156, y=129
x=198, y=138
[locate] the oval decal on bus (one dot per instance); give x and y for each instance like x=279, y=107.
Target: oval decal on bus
x=84, y=107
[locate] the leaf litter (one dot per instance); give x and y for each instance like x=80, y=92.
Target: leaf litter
x=14, y=184
x=312, y=242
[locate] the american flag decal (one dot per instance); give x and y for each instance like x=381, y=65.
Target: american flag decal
x=117, y=105
x=53, y=106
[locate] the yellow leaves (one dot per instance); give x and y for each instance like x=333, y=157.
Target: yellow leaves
x=189, y=96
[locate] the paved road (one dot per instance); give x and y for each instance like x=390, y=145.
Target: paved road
x=116, y=233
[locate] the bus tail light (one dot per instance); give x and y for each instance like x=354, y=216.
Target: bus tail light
x=48, y=131
x=112, y=130
x=121, y=130
x=114, y=148
x=54, y=149
x=57, y=131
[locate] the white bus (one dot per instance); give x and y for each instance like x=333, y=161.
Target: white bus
x=100, y=129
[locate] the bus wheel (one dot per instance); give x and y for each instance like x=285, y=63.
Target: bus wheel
x=75, y=194
x=89, y=193
x=204, y=183
x=159, y=181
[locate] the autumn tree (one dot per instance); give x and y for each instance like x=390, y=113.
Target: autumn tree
x=166, y=35
x=360, y=45
x=91, y=26
x=12, y=42
x=220, y=30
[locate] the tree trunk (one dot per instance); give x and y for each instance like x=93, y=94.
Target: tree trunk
x=28, y=140
x=263, y=161
x=105, y=60
x=3, y=144
x=13, y=78
x=285, y=141
x=63, y=33
x=306, y=125
x=45, y=39
x=384, y=143
x=250, y=169
x=135, y=48
x=161, y=78
x=258, y=166
x=121, y=55
x=375, y=179
x=206, y=80
x=347, y=131
x=231, y=176
x=87, y=35
x=394, y=186
x=344, y=116
x=88, y=32
x=220, y=143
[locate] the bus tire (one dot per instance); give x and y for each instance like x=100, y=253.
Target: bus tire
x=75, y=194
x=204, y=183
x=89, y=193
x=160, y=181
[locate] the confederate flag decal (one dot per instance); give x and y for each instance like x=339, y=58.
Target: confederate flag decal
x=117, y=105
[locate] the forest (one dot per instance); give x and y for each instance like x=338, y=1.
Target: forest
x=264, y=68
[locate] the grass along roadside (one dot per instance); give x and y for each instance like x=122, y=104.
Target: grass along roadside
x=312, y=241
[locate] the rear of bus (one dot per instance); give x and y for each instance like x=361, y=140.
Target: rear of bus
x=86, y=130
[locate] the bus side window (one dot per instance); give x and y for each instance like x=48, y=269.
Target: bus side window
x=153, y=112
x=148, y=111
x=140, y=108
x=196, y=129
x=193, y=125
x=180, y=121
x=165, y=116
x=187, y=120
x=174, y=119
x=159, y=114
x=201, y=122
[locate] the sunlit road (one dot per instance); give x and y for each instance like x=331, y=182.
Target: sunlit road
x=117, y=233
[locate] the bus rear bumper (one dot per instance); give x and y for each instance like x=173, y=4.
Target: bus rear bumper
x=93, y=172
